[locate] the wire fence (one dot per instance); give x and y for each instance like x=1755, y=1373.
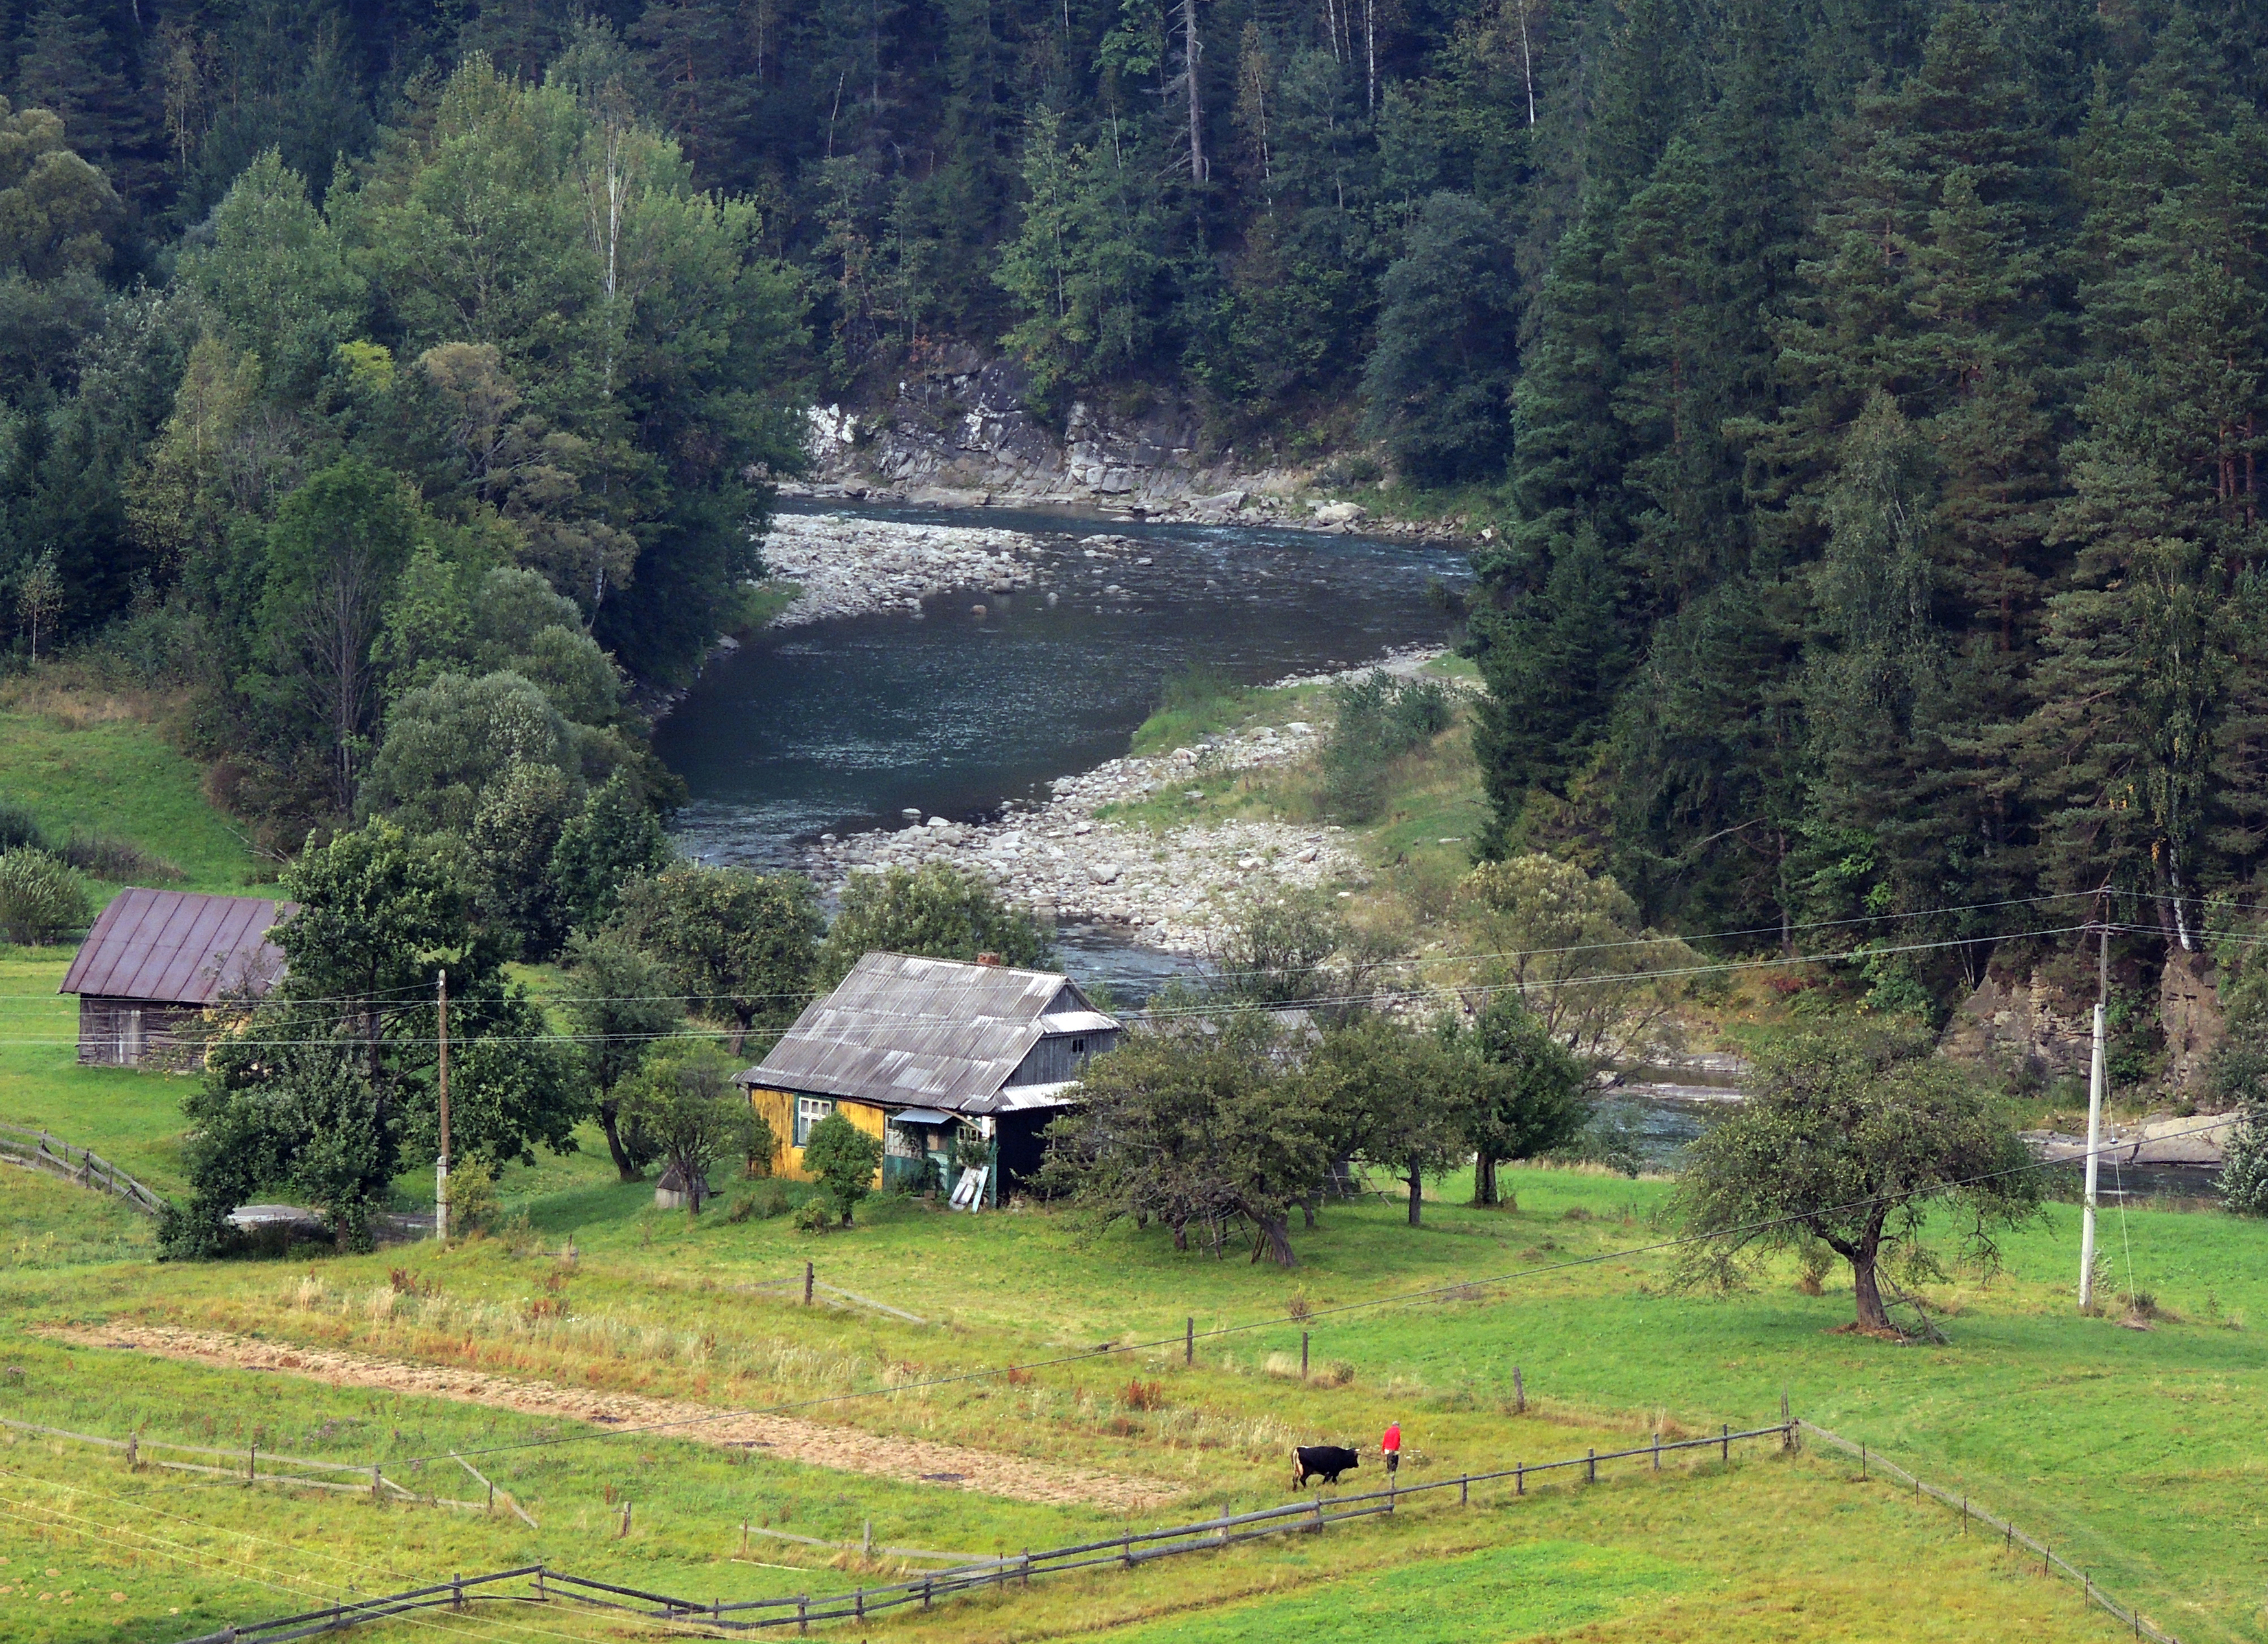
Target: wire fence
x=82, y=1167
x=1872, y=1462
x=1125, y=1550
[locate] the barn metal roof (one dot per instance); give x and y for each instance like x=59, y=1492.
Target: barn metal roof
x=934, y=1033
x=178, y=948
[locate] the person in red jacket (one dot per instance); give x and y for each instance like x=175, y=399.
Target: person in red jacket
x=1390, y=1446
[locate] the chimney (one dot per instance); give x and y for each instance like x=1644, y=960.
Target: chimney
x=988, y=959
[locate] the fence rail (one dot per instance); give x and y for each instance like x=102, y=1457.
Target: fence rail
x=82, y=1167
x=1872, y=1460
x=1125, y=1550
x=369, y=1478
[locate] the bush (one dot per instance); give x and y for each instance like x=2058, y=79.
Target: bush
x=844, y=1159
x=2244, y=1166
x=812, y=1216
x=41, y=900
x=474, y=1207
x=1378, y=719
x=105, y=856
x=19, y=829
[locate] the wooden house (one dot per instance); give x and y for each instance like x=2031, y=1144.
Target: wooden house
x=156, y=959
x=922, y=1052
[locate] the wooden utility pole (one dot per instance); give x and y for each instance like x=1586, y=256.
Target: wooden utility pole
x=2095, y=1083
x=441, y=1165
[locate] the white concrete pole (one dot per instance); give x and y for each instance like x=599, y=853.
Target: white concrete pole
x=2095, y=1083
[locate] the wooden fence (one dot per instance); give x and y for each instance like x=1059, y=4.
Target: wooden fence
x=246, y=1466
x=1121, y=1552
x=1871, y=1462
x=81, y=1166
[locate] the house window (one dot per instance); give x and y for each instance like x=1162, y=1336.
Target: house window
x=808, y=1111
x=1078, y=1047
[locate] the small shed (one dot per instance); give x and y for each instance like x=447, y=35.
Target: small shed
x=923, y=1051
x=156, y=959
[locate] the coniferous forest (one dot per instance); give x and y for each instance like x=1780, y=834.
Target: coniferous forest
x=1867, y=392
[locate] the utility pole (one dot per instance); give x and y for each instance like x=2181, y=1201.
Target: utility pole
x=441, y=1166
x=2095, y=1082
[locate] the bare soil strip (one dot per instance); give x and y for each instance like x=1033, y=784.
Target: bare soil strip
x=814, y=1443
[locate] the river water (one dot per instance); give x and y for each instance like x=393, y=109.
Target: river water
x=842, y=725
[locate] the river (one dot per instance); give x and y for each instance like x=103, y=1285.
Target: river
x=843, y=725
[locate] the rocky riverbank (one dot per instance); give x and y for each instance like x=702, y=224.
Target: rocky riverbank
x=1175, y=889
x=847, y=567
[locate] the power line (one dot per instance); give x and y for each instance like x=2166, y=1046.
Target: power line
x=1375, y=996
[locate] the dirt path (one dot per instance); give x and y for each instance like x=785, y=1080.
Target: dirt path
x=814, y=1443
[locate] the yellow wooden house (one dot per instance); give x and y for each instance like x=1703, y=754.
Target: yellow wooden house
x=924, y=1052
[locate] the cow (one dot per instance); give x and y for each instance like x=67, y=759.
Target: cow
x=1325, y=1462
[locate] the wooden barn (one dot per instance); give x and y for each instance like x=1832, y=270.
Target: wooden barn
x=158, y=958
x=922, y=1052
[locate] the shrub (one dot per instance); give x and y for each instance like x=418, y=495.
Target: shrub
x=812, y=1216
x=1337, y=1373
x=1378, y=719
x=474, y=1207
x=2244, y=1166
x=18, y=829
x=844, y=1159
x=105, y=855
x=40, y=898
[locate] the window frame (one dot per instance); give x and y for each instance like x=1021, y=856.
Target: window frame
x=809, y=1110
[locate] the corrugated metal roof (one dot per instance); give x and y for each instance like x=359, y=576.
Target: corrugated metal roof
x=178, y=948
x=934, y=1033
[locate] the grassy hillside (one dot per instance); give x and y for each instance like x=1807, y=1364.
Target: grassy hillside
x=94, y=763
x=2116, y=1443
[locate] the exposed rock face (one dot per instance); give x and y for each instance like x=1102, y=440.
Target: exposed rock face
x=2189, y=1010
x=958, y=435
x=2009, y=1023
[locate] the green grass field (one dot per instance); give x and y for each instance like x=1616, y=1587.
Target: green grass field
x=2139, y=1453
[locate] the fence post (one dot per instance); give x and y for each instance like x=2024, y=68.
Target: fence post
x=1464, y=1491
x=1027, y=1566
x=492, y=1492
x=252, y=1463
x=925, y=1583
x=1862, y=1464
x=1303, y=1355
x=133, y=1452
x=1190, y=1342
x=1126, y=1551
x=625, y=1530
x=376, y=1482
x=541, y=1597
x=1591, y=1466
x=1520, y=1477
x=858, y=1603
x=457, y=1592
x=1519, y=1393
x=807, y=1281
x=1724, y=1442
x=744, y=1537
x=1657, y=1449
x=803, y=1612
x=1964, y=1515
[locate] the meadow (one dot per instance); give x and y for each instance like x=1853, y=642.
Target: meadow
x=2138, y=1452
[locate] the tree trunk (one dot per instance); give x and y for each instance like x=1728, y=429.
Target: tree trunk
x=1868, y=1291
x=1308, y=1209
x=610, y=1121
x=740, y=1030
x=1191, y=46
x=1485, y=1180
x=1181, y=1236
x=1275, y=1237
x=1417, y=1180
